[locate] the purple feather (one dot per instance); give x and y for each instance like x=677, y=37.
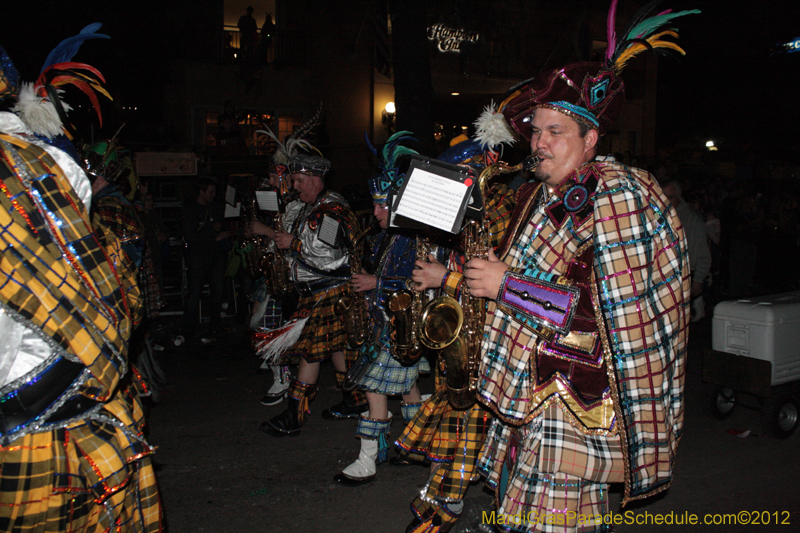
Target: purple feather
x=610, y=32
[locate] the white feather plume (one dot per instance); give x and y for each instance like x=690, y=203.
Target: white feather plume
x=38, y=113
x=491, y=128
x=286, y=149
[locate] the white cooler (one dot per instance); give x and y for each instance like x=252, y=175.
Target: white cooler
x=766, y=328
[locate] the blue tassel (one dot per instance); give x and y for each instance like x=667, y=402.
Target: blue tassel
x=383, y=450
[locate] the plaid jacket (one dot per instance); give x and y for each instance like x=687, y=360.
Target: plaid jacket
x=641, y=297
x=68, y=280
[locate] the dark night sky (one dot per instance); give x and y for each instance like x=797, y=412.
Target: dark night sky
x=726, y=88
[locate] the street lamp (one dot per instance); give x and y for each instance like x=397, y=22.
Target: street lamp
x=388, y=115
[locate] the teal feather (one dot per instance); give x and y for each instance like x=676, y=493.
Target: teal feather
x=653, y=24
x=392, y=150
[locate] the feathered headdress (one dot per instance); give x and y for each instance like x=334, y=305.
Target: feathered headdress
x=390, y=176
x=39, y=104
x=290, y=146
x=491, y=132
x=592, y=92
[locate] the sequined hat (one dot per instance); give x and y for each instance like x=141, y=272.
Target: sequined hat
x=309, y=164
x=593, y=93
x=389, y=160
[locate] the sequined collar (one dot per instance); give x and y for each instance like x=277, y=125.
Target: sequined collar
x=573, y=198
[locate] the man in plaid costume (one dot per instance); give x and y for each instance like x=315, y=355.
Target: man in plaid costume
x=320, y=270
x=73, y=454
x=390, y=261
x=585, y=337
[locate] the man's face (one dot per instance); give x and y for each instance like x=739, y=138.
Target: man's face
x=308, y=186
x=207, y=196
x=381, y=212
x=556, y=139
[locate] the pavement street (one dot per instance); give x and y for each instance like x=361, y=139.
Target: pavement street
x=219, y=473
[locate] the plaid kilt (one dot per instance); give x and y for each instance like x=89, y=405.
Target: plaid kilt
x=451, y=438
x=323, y=333
x=94, y=474
x=555, y=470
x=386, y=376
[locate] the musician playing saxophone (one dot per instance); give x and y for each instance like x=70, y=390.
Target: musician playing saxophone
x=450, y=438
x=391, y=259
x=269, y=310
x=320, y=270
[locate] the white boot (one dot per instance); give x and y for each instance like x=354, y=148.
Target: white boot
x=699, y=308
x=277, y=392
x=363, y=469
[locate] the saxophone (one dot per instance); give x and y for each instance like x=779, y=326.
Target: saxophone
x=274, y=264
x=405, y=310
x=457, y=328
x=254, y=247
x=352, y=306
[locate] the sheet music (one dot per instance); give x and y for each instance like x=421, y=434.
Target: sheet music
x=267, y=200
x=329, y=230
x=432, y=199
x=231, y=211
x=230, y=195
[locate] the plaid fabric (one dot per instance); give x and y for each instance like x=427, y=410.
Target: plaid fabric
x=323, y=334
x=451, y=438
x=57, y=273
x=500, y=203
x=557, y=470
x=409, y=410
x=119, y=216
x=93, y=475
x=386, y=376
x=71, y=282
x=642, y=294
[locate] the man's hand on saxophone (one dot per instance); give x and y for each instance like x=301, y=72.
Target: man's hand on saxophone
x=363, y=282
x=283, y=240
x=428, y=274
x=259, y=228
x=484, y=276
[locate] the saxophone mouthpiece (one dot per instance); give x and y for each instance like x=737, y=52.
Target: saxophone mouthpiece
x=531, y=162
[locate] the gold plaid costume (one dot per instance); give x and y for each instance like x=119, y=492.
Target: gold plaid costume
x=640, y=285
x=70, y=283
x=450, y=438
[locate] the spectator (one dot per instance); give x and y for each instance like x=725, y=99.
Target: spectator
x=205, y=259
x=249, y=31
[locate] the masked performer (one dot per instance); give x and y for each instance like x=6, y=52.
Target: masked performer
x=391, y=259
x=448, y=434
x=74, y=457
x=585, y=339
x=320, y=269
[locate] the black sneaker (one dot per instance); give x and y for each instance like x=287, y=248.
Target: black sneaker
x=343, y=410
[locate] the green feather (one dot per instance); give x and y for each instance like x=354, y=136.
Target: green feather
x=649, y=26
